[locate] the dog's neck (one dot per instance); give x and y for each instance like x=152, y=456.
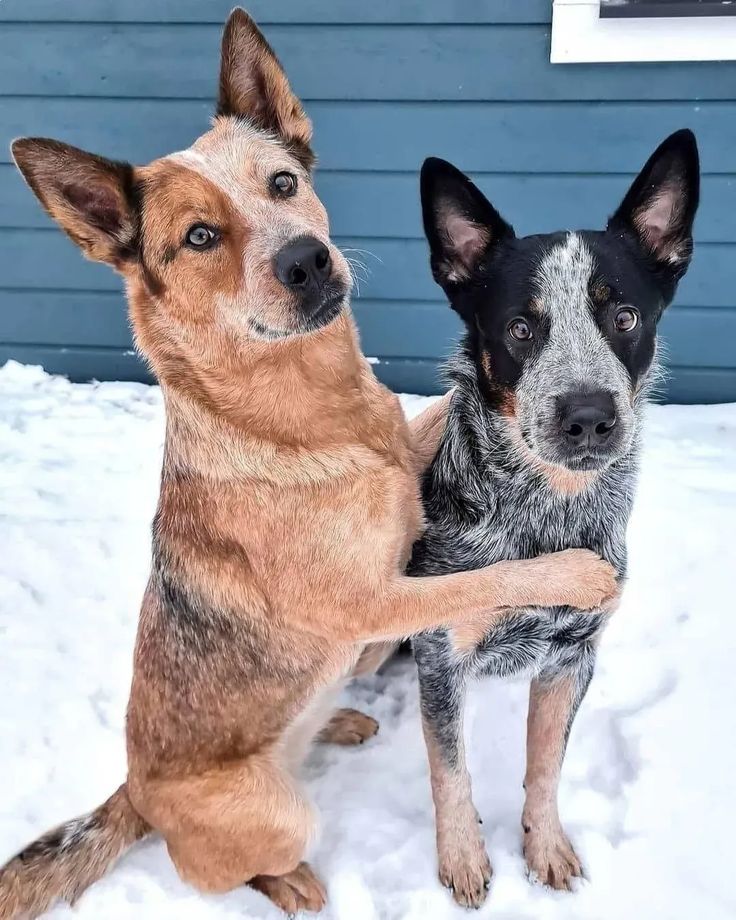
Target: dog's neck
x=240, y=407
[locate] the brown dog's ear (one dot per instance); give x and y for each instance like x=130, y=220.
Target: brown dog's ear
x=253, y=85
x=91, y=198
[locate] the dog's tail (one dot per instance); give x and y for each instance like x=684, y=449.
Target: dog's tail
x=67, y=860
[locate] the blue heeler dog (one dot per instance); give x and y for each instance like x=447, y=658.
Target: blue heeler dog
x=540, y=453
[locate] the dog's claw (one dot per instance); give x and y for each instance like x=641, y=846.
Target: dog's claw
x=551, y=860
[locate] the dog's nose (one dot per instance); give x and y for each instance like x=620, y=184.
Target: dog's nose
x=303, y=265
x=586, y=419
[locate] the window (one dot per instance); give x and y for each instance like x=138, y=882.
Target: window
x=589, y=31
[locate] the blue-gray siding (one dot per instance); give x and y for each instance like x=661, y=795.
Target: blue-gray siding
x=386, y=83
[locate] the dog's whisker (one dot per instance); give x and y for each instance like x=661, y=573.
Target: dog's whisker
x=364, y=252
x=353, y=267
x=356, y=263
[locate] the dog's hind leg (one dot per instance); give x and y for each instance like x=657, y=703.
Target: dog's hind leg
x=464, y=866
x=244, y=823
x=348, y=727
x=554, y=699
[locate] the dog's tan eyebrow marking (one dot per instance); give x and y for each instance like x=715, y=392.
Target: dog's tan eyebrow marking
x=600, y=293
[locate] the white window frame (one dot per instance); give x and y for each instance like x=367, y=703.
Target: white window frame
x=581, y=36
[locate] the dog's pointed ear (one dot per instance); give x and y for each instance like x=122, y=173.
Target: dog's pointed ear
x=92, y=199
x=460, y=223
x=253, y=85
x=659, y=208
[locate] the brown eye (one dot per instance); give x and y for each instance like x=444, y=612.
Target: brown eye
x=200, y=236
x=626, y=320
x=284, y=183
x=520, y=330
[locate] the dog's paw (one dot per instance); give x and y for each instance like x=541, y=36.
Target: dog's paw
x=465, y=869
x=295, y=891
x=348, y=727
x=551, y=859
x=582, y=579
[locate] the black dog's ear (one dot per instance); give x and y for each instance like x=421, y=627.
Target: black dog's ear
x=659, y=208
x=460, y=223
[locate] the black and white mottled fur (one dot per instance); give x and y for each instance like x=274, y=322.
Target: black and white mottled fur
x=513, y=478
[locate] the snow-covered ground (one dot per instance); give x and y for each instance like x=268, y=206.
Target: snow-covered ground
x=648, y=791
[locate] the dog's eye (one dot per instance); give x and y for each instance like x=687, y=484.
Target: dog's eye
x=284, y=184
x=626, y=320
x=200, y=236
x=520, y=330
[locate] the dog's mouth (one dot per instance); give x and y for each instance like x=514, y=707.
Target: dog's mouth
x=551, y=450
x=588, y=461
x=307, y=317
x=334, y=295
x=583, y=459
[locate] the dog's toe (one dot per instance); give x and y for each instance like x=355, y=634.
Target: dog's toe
x=551, y=860
x=293, y=892
x=468, y=878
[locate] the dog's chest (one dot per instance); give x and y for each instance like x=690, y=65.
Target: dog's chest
x=518, y=518
x=524, y=520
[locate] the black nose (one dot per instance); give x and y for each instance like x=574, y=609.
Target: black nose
x=303, y=265
x=586, y=419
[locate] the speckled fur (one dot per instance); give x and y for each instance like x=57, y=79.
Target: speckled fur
x=484, y=502
x=505, y=485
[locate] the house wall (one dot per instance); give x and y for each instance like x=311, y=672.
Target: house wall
x=386, y=83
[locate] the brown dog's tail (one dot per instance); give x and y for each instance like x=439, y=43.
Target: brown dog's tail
x=67, y=860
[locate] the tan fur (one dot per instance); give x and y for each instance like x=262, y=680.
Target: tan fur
x=536, y=305
x=466, y=636
x=568, y=482
x=464, y=866
x=295, y=891
x=426, y=431
x=289, y=497
x=548, y=852
x=348, y=727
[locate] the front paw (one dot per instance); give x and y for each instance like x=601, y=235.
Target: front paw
x=551, y=859
x=581, y=579
x=465, y=869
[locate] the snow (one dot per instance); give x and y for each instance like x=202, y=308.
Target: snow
x=647, y=790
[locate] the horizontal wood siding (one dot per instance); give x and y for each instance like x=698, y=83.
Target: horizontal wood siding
x=386, y=84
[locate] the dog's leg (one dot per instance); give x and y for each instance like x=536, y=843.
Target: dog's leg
x=349, y=726
x=406, y=606
x=554, y=699
x=464, y=866
x=373, y=657
x=245, y=823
